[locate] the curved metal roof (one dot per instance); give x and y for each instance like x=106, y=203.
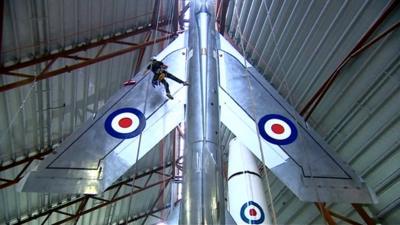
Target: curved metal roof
x=296, y=44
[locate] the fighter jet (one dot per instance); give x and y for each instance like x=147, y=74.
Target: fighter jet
x=224, y=88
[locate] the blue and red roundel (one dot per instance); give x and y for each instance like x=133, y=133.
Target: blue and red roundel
x=277, y=129
x=125, y=123
x=252, y=213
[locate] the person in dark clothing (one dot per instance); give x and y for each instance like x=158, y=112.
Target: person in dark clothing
x=158, y=68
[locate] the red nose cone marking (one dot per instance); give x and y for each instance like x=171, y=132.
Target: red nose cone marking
x=277, y=128
x=125, y=122
x=253, y=212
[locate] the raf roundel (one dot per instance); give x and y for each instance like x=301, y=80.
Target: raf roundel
x=125, y=123
x=277, y=129
x=252, y=213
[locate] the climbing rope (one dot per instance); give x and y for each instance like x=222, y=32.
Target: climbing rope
x=144, y=112
x=20, y=108
x=253, y=106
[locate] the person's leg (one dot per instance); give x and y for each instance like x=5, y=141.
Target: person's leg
x=166, y=85
x=172, y=77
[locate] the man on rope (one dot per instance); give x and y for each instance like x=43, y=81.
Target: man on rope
x=158, y=68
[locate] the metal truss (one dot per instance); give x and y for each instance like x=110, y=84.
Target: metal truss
x=26, y=162
x=362, y=45
x=80, y=61
x=328, y=215
x=116, y=195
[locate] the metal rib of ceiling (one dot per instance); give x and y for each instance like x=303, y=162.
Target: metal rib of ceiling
x=40, y=115
x=297, y=45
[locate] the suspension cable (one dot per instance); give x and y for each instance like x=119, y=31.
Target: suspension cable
x=253, y=106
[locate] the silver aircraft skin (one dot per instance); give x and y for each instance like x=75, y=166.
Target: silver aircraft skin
x=224, y=88
x=203, y=183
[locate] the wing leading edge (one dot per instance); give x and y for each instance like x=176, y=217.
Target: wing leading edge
x=277, y=135
x=131, y=123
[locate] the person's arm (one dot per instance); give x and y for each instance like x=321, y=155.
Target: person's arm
x=163, y=66
x=148, y=68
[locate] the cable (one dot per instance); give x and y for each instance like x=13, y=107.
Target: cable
x=273, y=37
x=306, y=150
x=20, y=108
x=144, y=112
x=253, y=109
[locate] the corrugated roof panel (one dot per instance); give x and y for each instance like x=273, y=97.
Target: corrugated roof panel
x=38, y=27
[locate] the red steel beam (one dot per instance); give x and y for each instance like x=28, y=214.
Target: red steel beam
x=69, y=68
x=106, y=202
x=325, y=213
x=112, y=201
x=315, y=100
x=145, y=215
x=345, y=219
x=80, y=209
x=36, y=156
x=222, y=16
x=27, y=161
x=159, y=196
x=16, y=179
x=364, y=215
x=85, y=47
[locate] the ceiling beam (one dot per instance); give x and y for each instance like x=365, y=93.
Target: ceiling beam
x=223, y=9
x=325, y=213
x=80, y=201
x=26, y=162
x=310, y=106
x=80, y=48
x=68, y=68
x=10, y=70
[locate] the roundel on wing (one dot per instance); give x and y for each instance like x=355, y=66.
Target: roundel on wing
x=125, y=123
x=277, y=129
x=252, y=213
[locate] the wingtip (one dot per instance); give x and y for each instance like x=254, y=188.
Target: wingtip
x=37, y=182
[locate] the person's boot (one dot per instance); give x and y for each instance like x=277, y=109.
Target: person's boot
x=170, y=96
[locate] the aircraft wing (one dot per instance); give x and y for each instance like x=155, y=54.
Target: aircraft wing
x=128, y=126
x=266, y=124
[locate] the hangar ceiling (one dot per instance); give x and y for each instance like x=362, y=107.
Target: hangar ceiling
x=61, y=60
